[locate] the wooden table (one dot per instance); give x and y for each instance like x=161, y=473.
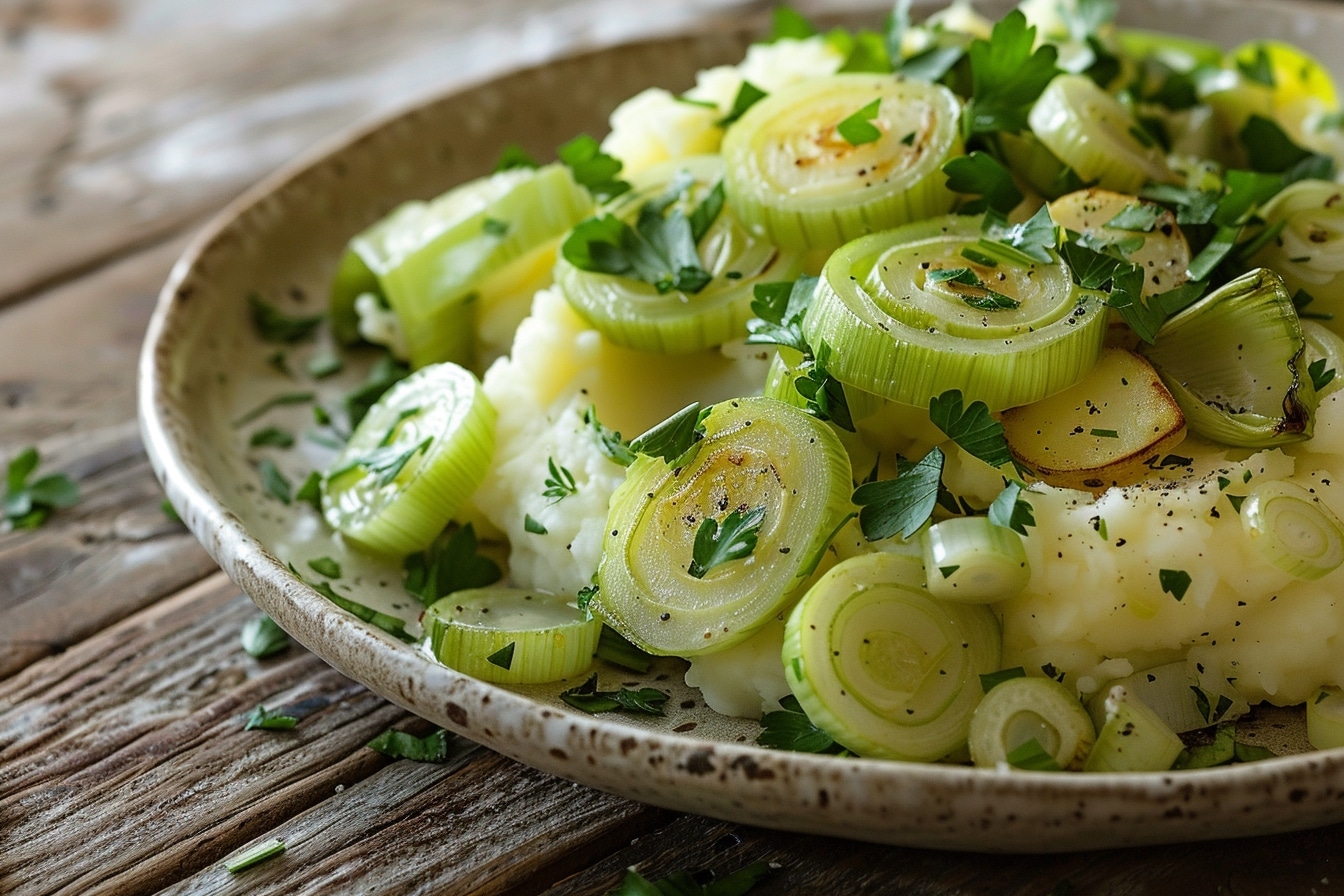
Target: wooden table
x=124, y=766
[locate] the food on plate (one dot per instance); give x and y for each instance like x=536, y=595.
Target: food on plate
x=962, y=391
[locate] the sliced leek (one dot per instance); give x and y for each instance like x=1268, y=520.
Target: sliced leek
x=1307, y=249
x=1293, y=529
x=412, y=462
x=911, y=313
x=1325, y=719
x=641, y=315
x=1234, y=363
x=1098, y=138
x=511, y=635
x=882, y=666
x=794, y=177
x=761, y=460
x=1021, y=710
x=427, y=260
x=1133, y=738
x=971, y=560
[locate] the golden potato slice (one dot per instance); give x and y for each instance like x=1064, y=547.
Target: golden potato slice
x=1100, y=431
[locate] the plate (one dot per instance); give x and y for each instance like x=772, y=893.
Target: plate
x=203, y=369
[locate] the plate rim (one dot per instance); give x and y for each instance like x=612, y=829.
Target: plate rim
x=697, y=765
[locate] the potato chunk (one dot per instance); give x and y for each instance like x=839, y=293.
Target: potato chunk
x=1100, y=431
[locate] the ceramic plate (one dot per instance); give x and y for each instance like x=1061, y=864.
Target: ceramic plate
x=203, y=369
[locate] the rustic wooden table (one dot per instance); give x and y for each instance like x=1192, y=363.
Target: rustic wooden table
x=124, y=766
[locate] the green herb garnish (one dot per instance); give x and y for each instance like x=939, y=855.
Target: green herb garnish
x=433, y=747
x=560, y=483
x=270, y=720
x=27, y=501
x=272, y=437
x=592, y=168
x=261, y=637
x=972, y=428
x=901, y=505
x=254, y=855
x=454, y=564
x=858, y=128
x=789, y=728
x=734, y=539
x=589, y=699
x=274, y=325
x=1174, y=582
x=503, y=657
x=1011, y=510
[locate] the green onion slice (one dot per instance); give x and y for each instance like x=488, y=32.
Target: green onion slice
x=635, y=314
x=971, y=560
x=1293, y=529
x=1234, y=362
x=415, y=458
x=792, y=176
x=428, y=259
x=757, y=454
x=882, y=666
x=909, y=315
x=1020, y=710
x=511, y=635
x=1093, y=134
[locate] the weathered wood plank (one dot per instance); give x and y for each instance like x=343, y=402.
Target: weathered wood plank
x=126, y=119
x=1306, y=862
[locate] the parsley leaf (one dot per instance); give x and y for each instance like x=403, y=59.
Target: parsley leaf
x=382, y=376
x=274, y=325
x=1141, y=216
x=858, y=128
x=980, y=174
x=1036, y=238
x=433, y=747
x=449, y=565
x=735, y=539
x=612, y=647
x=779, y=308
x=901, y=505
x=325, y=566
x=27, y=504
x=270, y=404
x=271, y=436
x=310, y=491
x=973, y=429
x=560, y=483
x=989, y=679
x=274, y=482
x=1320, y=377
x=748, y=95
x=1007, y=76
x=608, y=440
x=789, y=728
x=534, y=526
x=269, y=720
x=789, y=23
x=1174, y=582
x=589, y=699
x=824, y=393
x=503, y=657
x=592, y=168
x=1011, y=510
x=261, y=637
x=1269, y=149
x=514, y=156
x=674, y=437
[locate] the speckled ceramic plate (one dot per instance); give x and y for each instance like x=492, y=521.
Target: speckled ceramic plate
x=203, y=368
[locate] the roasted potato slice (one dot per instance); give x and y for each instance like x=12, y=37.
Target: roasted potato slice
x=1100, y=431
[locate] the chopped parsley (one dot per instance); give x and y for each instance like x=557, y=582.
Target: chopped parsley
x=789, y=728
x=608, y=440
x=261, y=637
x=451, y=564
x=384, y=463
x=858, y=128
x=1174, y=582
x=324, y=365
x=533, y=526
x=495, y=227
x=1011, y=510
x=310, y=491
x=325, y=566
x=980, y=174
x=272, y=437
x=1320, y=376
x=391, y=624
x=972, y=428
x=274, y=482
x=901, y=505
x=433, y=747
x=1031, y=756
x=588, y=698
x=1008, y=74
x=503, y=657
x=560, y=483
x=274, y=325
x=514, y=156
x=989, y=679
x=269, y=720
x=748, y=95
x=734, y=539
x=270, y=404
x=675, y=437
x=592, y=168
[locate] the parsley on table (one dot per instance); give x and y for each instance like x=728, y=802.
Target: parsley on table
x=560, y=483
x=269, y=720
x=661, y=249
x=592, y=168
x=1008, y=73
x=734, y=539
x=261, y=637
x=681, y=883
x=588, y=698
x=451, y=564
x=858, y=128
x=274, y=325
x=27, y=501
x=789, y=728
x=1011, y=510
x=433, y=747
x=901, y=505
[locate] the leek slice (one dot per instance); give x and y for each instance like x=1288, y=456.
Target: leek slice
x=793, y=176
x=1092, y=133
x=1325, y=719
x=1234, y=363
x=412, y=462
x=511, y=635
x=1293, y=529
x=759, y=457
x=1308, y=249
x=635, y=314
x=1133, y=739
x=971, y=560
x=428, y=259
x=903, y=327
x=1020, y=710
x=882, y=666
